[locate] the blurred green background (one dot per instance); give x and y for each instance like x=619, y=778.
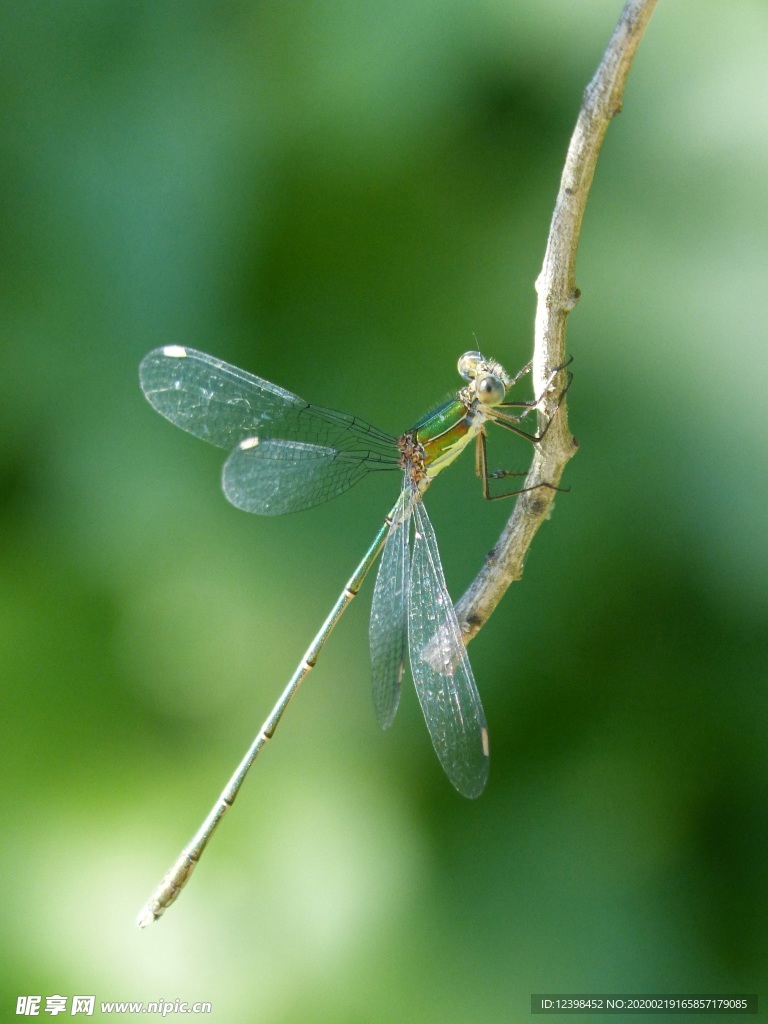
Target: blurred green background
x=342, y=197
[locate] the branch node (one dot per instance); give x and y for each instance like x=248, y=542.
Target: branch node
x=571, y=302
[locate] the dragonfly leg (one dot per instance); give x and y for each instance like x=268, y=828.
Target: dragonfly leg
x=521, y=373
x=527, y=408
x=510, y=422
x=481, y=463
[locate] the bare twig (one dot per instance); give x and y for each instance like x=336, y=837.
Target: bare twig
x=557, y=296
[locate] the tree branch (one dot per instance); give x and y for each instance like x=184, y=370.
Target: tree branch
x=557, y=296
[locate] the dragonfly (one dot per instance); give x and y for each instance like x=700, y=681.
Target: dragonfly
x=285, y=455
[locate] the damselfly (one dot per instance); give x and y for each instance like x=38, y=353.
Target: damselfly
x=286, y=455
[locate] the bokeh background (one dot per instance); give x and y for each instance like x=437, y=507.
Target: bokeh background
x=342, y=197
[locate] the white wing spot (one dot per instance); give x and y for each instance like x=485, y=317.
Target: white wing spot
x=249, y=442
x=175, y=351
x=484, y=741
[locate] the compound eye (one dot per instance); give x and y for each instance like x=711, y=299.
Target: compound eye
x=469, y=363
x=490, y=390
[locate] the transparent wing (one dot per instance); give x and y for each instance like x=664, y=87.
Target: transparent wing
x=387, y=631
x=440, y=667
x=224, y=405
x=274, y=476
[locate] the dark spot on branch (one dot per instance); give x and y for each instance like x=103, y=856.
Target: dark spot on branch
x=537, y=506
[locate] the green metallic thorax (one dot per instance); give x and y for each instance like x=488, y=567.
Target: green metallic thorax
x=444, y=433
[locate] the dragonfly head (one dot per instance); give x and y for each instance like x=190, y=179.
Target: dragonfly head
x=488, y=380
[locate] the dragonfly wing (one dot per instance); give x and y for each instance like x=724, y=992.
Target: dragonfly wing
x=441, y=670
x=387, y=631
x=224, y=405
x=274, y=476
